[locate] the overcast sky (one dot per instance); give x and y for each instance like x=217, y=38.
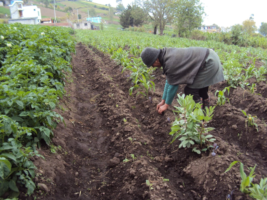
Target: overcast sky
x=223, y=12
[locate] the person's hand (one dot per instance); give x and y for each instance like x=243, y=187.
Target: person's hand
x=160, y=104
x=163, y=108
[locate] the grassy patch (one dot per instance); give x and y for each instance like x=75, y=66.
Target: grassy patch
x=4, y=10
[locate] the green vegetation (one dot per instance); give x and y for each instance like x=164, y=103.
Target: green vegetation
x=4, y=10
x=191, y=125
x=250, y=121
x=33, y=62
x=221, y=98
x=236, y=37
x=257, y=191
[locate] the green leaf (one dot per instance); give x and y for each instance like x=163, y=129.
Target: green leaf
x=13, y=186
x=20, y=103
x=231, y=165
x=4, y=162
x=3, y=187
x=52, y=105
x=9, y=155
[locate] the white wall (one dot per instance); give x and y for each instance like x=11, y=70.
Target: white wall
x=14, y=12
x=27, y=11
x=32, y=11
x=23, y=21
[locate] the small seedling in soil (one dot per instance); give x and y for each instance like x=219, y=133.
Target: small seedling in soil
x=133, y=157
x=126, y=160
x=124, y=120
x=253, y=88
x=165, y=180
x=117, y=106
x=221, y=98
x=131, y=139
x=246, y=181
x=250, y=121
x=149, y=184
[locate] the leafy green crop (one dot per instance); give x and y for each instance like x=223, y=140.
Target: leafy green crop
x=250, y=121
x=221, y=98
x=33, y=61
x=257, y=191
x=191, y=124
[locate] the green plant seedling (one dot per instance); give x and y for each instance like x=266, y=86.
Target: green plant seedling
x=124, y=120
x=253, y=88
x=250, y=121
x=133, y=157
x=149, y=184
x=126, y=160
x=131, y=139
x=246, y=181
x=221, y=98
x=259, y=191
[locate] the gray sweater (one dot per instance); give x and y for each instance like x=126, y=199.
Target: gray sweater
x=181, y=65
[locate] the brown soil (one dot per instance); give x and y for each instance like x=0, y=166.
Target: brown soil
x=104, y=126
x=48, y=12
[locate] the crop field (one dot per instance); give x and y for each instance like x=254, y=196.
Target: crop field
x=113, y=144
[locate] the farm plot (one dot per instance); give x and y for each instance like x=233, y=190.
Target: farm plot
x=116, y=146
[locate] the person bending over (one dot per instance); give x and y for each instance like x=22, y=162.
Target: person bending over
x=195, y=66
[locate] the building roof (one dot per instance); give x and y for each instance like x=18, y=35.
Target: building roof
x=46, y=19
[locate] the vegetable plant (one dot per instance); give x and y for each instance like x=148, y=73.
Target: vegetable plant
x=221, y=98
x=191, y=125
x=259, y=191
x=145, y=86
x=250, y=121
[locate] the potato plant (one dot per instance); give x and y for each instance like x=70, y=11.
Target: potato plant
x=33, y=62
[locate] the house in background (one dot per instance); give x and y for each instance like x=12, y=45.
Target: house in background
x=46, y=20
x=1, y=3
x=82, y=25
x=94, y=19
x=211, y=29
x=24, y=14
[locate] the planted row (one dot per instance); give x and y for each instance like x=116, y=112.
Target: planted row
x=33, y=62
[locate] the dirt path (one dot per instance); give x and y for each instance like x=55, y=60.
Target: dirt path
x=113, y=143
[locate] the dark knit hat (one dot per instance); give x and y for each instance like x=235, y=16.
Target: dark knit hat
x=149, y=55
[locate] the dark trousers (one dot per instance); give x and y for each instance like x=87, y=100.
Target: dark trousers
x=197, y=93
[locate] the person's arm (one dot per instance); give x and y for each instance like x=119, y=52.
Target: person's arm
x=165, y=91
x=170, y=93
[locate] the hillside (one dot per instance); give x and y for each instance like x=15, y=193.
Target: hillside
x=4, y=10
x=81, y=6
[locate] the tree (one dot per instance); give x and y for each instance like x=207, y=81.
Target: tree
x=263, y=29
x=111, y=13
x=92, y=12
x=249, y=26
x=120, y=7
x=160, y=12
x=68, y=9
x=188, y=16
x=132, y=16
x=45, y=2
x=237, y=34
